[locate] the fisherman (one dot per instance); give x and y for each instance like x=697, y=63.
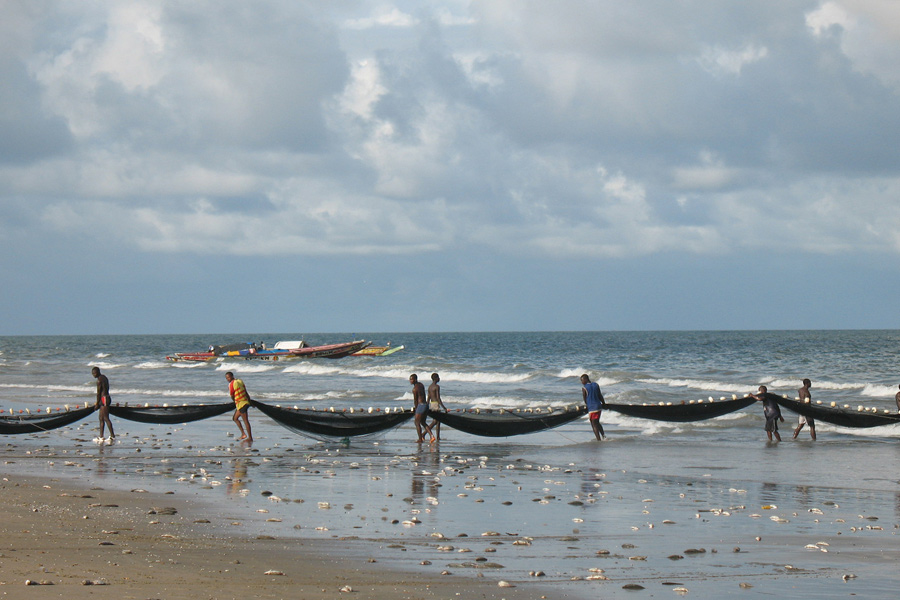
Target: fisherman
x=805, y=396
x=771, y=410
x=435, y=404
x=593, y=399
x=420, y=406
x=103, y=401
x=238, y=392
x=897, y=400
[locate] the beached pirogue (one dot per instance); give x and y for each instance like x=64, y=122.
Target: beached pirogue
x=497, y=422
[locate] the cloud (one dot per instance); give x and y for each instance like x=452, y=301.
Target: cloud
x=570, y=129
x=868, y=32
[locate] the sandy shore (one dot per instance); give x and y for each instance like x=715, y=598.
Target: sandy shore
x=92, y=543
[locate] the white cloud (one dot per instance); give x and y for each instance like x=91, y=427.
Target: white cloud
x=332, y=133
x=710, y=174
x=869, y=33
x=384, y=16
x=721, y=60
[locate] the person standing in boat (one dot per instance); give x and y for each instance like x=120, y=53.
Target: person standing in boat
x=103, y=401
x=435, y=404
x=593, y=399
x=238, y=392
x=420, y=408
x=771, y=410
x=804, y=395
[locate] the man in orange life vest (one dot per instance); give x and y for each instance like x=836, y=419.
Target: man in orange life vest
x=241, y=405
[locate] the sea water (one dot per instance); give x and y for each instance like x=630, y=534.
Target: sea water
x=703, y=506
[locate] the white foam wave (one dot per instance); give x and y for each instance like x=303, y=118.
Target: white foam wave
x=246, y=367
x=102, y=355
x=466, y=377
x=105, y=365
x=493, y=402
x=794, y=384
x=403, y=373
x=701, y=384
x=879, y=391
x=301, y=398
x=117, y=392
x=569, y=373
x=180, y=364
x=67, y=388
x=152, y=364
x=313, y=368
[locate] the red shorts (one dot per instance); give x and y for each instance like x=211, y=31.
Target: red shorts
x=104, y=400
x=594, y=416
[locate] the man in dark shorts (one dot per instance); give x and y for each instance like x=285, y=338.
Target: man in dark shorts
x=435, y=404
x=771, y=410
x=103, y=401
x=420, y=406
x=804, y=395
x=593, y=399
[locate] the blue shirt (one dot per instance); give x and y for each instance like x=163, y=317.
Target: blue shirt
x=593, y=398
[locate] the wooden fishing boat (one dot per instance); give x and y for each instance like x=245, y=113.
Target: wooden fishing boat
x=378, y=350
x=281, y=350
x=330, y=350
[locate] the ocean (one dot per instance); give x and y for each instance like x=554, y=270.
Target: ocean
x=709, y=507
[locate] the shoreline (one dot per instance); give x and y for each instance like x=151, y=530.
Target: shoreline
x=83, y=542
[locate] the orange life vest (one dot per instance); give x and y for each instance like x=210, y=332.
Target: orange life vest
x=239, y=394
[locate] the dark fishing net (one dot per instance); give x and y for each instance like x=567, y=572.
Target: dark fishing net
x=25, y=423
x=506, y=422
x=836, y=415
x=682, y=412
x=170, y=414
x=327, y=425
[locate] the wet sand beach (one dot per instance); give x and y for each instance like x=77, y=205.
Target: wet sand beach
x=80, y=543
x=554, y=518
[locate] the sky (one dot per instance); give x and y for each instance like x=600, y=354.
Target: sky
x=423, y=165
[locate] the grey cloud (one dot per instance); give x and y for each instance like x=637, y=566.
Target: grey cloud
x=516, y=118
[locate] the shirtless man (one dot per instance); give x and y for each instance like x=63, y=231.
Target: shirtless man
x=435, y=403
x=806, y=397
x=103, y=401
x=771, y=410
x=897, y=400
x=420, y=406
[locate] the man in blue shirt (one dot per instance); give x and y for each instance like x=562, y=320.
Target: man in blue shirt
x=593, y=399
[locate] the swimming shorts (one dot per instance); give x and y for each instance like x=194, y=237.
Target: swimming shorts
x=594, y=416
x=772, y=423
x=243, y=410
x=421, y=409
x=104, y=400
